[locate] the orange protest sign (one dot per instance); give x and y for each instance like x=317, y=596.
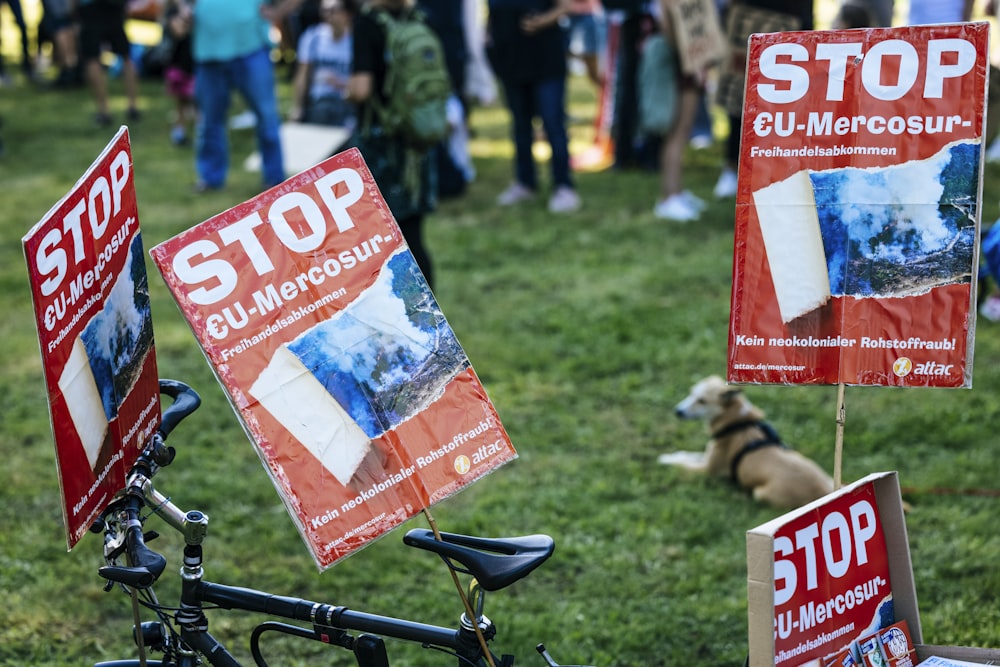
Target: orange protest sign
x=344, y=371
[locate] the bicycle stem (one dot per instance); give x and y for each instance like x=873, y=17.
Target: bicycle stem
x=192, y=525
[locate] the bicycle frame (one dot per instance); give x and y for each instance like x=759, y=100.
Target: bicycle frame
x=494, y=563
x=330, y=623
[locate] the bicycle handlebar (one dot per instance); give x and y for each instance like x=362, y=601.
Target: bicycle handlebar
x=145, y=565
x=186, y=401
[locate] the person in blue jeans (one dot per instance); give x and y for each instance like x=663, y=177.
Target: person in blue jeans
x=232, y=52
x=526, y=45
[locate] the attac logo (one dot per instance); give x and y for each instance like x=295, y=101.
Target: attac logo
x=904, y=366
x=933, y=368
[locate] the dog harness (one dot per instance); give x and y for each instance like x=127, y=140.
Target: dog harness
x=770, y=439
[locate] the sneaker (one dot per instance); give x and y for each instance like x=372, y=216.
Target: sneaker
x=676, y=208
x=246, y=120
x=133, y=115
x=102, y=119
x=700, y=142
x=178, y=137
x=564, y=200
x=697, y=203
x=725, y=187
x=515, y=194
x=991, y=308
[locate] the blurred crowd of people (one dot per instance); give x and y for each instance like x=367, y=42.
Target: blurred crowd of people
x=637, y=20
x=521, y=51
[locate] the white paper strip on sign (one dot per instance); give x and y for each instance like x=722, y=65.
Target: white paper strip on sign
x=83, y=399
x=794, y=245
x=306, y=409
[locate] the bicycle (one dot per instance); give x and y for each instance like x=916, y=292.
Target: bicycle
x=184, y=639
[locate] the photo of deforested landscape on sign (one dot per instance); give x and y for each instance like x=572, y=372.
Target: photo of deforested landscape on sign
x=120, y=336
x=878, y=232
x=900, y=230
x=350, y=379
x=389, y=354
x=108, y=356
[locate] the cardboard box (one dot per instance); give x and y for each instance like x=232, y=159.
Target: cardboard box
x=842, y=567
x=832, y=571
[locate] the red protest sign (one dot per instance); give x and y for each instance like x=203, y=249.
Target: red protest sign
x=858, y=207
x=358, y=397
x=91, y=298
x=819, y=577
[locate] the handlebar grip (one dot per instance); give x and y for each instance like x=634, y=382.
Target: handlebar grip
x=147, y=565
x=186, y=401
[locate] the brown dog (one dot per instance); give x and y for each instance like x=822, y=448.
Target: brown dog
x=746, y=449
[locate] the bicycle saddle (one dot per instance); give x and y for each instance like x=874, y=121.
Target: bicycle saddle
x=494, y=562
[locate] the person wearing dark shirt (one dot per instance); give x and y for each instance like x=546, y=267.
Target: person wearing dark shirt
x=446, y=19
x=102, y=24
x=725, y=187
x=527, y=48
x=410, y=198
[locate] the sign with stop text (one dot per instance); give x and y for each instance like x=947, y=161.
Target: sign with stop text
x=829, y=573
x=91, y=299
x=858, y=207
x=332, y=349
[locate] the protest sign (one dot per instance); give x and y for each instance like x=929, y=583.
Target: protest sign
x=91, y=299
x=828, y=574
x=700, y=42
x=332, y=349
x=822, y=579
x=858, y=207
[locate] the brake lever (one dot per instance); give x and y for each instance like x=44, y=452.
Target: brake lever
x=147, y=565
x=140, y=576
x=115, y=545
x=119, y=548
x=134, y=577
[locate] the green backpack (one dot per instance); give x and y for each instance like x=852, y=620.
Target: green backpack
x=417, y=86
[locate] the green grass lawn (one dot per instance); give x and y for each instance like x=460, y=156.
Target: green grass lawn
x=586, y=329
